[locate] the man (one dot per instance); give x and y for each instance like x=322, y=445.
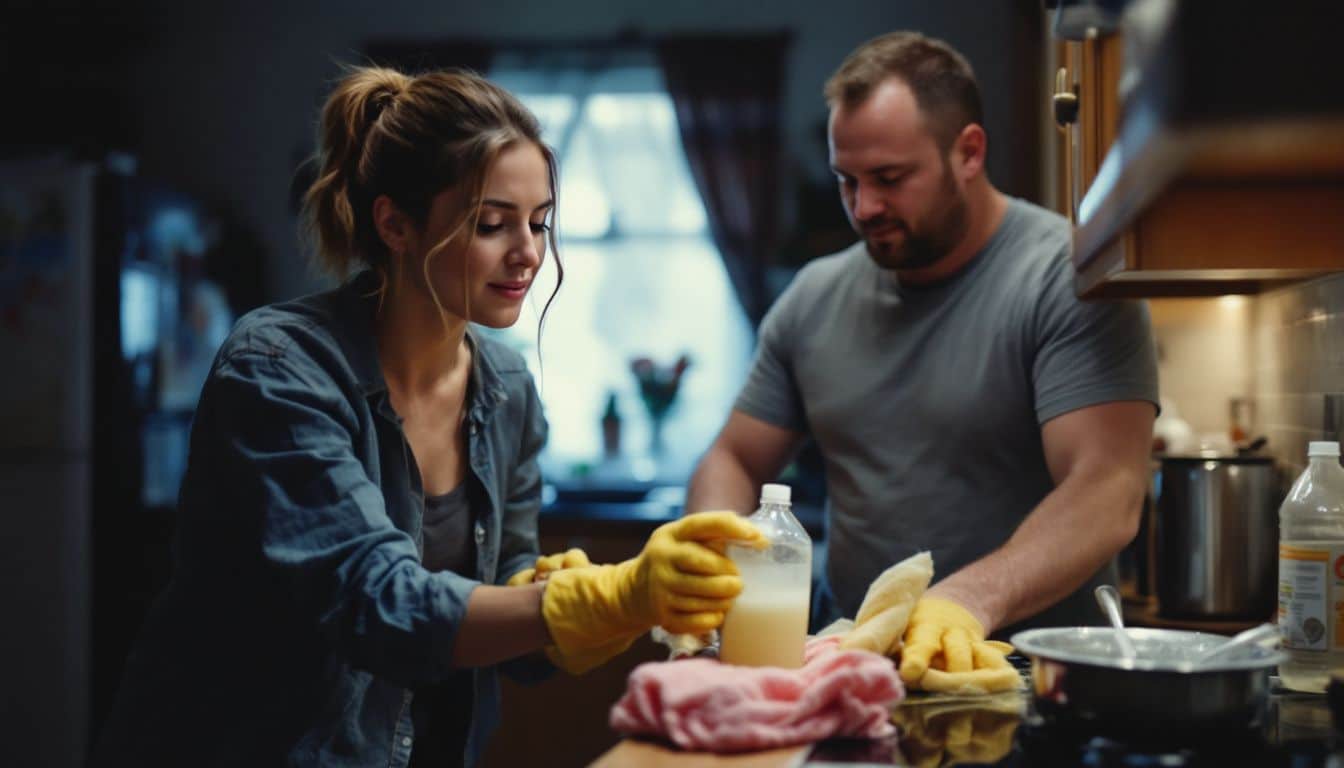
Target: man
x=964, y=400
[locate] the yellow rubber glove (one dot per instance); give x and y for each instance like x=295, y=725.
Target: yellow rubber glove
x=579, y=662
x=681, y=581
x=570, y=558
x=945, y=650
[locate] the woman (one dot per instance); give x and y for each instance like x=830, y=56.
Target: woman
x=359, y=514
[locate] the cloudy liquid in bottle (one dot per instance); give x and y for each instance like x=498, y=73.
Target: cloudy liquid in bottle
x=1311, y=572
x=767, y=625
x=766, y=630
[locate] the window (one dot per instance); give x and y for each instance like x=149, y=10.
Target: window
x=643, y=278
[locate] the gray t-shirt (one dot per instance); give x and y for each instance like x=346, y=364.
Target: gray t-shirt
x=927, y=402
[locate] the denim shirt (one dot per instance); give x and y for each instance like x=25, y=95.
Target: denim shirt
x=299, y=616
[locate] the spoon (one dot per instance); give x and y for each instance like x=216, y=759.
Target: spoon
x=1109, y=600
x=1252, y=636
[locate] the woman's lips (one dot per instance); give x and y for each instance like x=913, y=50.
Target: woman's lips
x=512, y=291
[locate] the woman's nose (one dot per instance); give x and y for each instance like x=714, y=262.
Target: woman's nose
x=528, y=250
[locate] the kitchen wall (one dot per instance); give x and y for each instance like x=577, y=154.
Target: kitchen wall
x=1298, y=378
x=1284, y=349
x=225, y=95
x=1204, y=357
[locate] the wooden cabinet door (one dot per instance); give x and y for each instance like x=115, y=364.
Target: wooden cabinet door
x=1090, y=70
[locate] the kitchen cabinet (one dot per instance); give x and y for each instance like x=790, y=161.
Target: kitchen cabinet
x=1199, y=163
x=1085, y=105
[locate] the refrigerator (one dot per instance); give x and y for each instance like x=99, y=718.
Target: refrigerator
x=46, y=454
x=108, y=323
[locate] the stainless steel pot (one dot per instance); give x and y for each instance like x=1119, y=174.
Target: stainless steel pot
x=1216, y=537
x=1079, y=679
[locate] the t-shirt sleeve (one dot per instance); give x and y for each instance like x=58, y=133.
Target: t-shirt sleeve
x=1089, y=352
x=771, y=392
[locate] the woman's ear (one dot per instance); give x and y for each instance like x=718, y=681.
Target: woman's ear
x=394, y=227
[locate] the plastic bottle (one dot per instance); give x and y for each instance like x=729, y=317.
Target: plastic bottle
x=1311, y=571
x=767, y=625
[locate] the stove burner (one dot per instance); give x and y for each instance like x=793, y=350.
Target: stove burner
x=1043, y=744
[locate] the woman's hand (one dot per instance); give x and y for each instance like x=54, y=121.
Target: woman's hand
x=545, y=566
x=680, y=581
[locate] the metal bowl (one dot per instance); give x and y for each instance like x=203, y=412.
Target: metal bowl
x=1079, y=678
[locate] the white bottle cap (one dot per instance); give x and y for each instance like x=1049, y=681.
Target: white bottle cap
x=776, y=493
x=1322, y=448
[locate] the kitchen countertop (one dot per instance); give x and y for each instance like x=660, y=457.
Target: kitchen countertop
x=1004, y=731
x=641, y=505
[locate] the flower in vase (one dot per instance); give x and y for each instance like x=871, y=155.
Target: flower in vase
x=658, y=384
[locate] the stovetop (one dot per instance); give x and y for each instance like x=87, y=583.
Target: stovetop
x=1004, y=731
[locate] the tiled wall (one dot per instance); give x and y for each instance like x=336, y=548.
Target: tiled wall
x=1297, y=344
x=1283, y=349
x=1204, y=358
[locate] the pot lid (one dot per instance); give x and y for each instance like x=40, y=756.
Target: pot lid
x=1158, y=650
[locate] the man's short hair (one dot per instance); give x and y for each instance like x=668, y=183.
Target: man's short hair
x=940, y=77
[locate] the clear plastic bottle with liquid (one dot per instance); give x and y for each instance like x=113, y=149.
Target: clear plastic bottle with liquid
x=1311, y=571
x=767, y=625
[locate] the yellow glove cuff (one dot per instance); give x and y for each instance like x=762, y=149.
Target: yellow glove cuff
x=948, y=614
x=579, y=662
x=584, y=611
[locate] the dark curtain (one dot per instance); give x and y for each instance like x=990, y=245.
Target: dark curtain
x=727, y=94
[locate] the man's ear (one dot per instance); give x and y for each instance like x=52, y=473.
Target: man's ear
x=394, y=227
x=968, y=152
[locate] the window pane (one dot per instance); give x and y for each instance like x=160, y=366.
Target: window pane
x=642, y=163
x=585, y=205
x=554, y=111
x=642, y=279
x=635, y=297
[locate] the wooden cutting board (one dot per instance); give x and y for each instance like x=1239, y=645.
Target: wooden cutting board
x=632, y=753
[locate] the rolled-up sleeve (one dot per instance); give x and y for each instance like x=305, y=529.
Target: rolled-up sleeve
x=518, y=541
x=288, y=434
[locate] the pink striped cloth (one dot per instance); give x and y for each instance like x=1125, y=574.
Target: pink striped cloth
x=704, y=705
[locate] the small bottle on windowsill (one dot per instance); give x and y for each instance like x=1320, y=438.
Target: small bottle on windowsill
x=611, y=429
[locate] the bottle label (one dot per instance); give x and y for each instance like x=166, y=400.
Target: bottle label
x=1311, y=595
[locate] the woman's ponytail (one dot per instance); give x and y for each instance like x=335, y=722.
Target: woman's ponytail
x=334, y=204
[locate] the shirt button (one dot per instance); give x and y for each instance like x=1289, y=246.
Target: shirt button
x=472, y=428
x=405, y=741
x=480, y=534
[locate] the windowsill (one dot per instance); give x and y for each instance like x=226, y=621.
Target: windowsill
x=637, y=502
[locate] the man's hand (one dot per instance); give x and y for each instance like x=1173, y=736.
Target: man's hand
x=945, y=650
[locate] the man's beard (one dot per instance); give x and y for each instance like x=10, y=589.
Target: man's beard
x=945, y=228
